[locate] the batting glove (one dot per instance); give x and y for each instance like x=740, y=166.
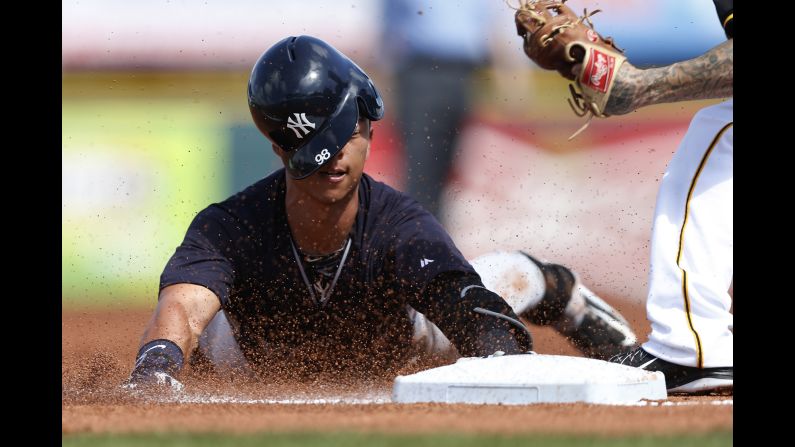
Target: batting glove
x=155, y=367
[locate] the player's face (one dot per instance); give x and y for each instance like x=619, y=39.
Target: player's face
x=339, y=177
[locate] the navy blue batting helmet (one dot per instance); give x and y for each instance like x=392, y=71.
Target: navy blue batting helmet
x=306, y=97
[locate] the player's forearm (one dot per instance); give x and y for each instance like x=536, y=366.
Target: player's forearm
x=708, y=76
x=165, y=342
x=171, y=322
x=183, y=311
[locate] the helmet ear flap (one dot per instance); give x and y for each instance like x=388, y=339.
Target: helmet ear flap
x=370, y=102
x=362, y=107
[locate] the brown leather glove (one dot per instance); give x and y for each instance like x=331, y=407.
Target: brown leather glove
x=555, y=38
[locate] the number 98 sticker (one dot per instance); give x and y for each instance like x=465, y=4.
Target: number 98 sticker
x=322, y=156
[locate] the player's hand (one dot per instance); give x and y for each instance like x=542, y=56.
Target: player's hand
x=157, y=363
x=156, y=382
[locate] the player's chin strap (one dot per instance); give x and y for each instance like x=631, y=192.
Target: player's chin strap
x=513, y=321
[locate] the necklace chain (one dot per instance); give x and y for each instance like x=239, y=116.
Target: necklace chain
x=324, y=296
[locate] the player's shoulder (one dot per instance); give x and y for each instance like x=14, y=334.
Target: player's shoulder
x=722, y=112
x=395, y=216
x=252, y=204
x=378, y=190
x=387, y=202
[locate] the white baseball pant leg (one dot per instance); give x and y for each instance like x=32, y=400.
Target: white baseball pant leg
x=217, y=343
x=692, y=247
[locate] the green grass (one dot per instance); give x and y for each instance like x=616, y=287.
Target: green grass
x=384, y=440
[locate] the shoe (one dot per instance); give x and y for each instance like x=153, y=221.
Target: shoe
x=588, y=322
x=678, y=378
x=603, y=332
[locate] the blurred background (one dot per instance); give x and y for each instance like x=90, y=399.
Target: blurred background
x=155, y=126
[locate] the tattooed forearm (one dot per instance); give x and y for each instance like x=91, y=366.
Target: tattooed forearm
x=710, y=75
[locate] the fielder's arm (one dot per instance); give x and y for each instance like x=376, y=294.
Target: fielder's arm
x=708, y=76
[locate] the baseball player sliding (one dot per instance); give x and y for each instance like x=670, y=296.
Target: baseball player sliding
x=692, y=267
x=318, y=267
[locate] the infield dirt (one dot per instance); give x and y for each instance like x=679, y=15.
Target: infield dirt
x=98, y=349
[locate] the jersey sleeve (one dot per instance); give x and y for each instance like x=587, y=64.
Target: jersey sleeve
x=725, y=10
x=204, y=257
x=422, y=249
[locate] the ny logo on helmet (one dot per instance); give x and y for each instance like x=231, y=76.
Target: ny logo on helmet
x=300, y=122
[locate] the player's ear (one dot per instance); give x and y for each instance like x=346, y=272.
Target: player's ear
x=279, y=153
x=369, y=138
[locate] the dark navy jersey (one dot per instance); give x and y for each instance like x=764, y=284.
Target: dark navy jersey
x=241, y=250
x=725, y=10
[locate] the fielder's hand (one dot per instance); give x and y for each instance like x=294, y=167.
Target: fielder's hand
x=555, y=38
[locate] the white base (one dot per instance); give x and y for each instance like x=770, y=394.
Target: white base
x=530, y=379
